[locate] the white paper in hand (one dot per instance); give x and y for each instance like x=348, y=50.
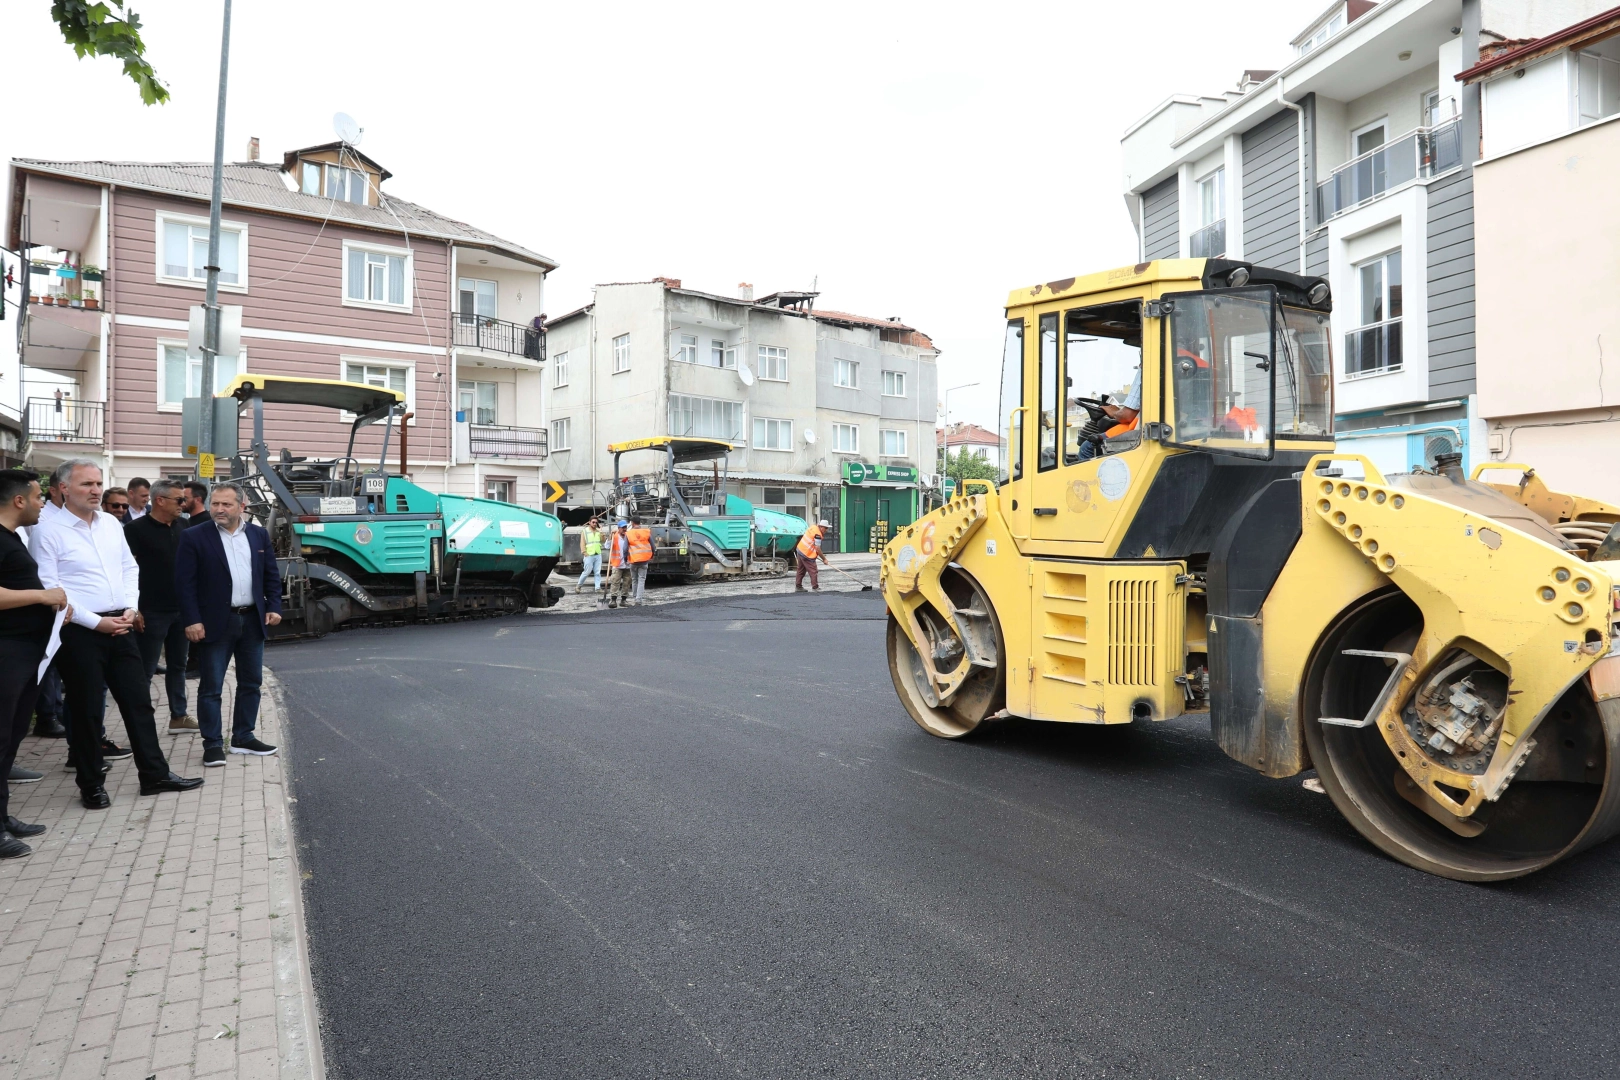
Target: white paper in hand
x=52, y=643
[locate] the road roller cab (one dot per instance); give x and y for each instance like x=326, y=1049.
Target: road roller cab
x=1177, y=534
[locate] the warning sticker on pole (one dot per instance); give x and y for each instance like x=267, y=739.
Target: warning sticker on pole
x=205, y=466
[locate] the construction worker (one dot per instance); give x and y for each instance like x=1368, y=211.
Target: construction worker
x=641, y=553
x=619, y=566
x=806, y=554
x=590, y=550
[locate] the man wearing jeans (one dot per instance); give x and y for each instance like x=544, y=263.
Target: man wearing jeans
x=229, y=590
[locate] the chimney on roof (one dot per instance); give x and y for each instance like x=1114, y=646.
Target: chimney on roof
x=669, y=282
x=253, y=148
x=745, y=291
x=894, y=318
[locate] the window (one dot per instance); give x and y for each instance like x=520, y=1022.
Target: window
x=1047, y=420
x=708, y=418
x=477, y=297
x=720, y=356
x=1012, y=397
x=478, y=402
x=846, y=373
x=1208, y=241
x=562, y=430
x=1375, y=348
x=846, y=439
x=772, y=434
x=1102, y=361
x=345, y=185
x=376, y=276
x=894, y=384
x=621, y=353
x=1223, y=369
x=310, y=184
x=892, y=442
x=788, y=501
x=1437, y=110
x=181, y=376
x=390, y=376
x=773, y=363
x=184, y=256
x=559, y=369
x=1597, y=83
x=1322, y=33
x=499, y=490
x=688, y=353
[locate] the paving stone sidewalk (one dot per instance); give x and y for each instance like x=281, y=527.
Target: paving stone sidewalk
x=162, y=937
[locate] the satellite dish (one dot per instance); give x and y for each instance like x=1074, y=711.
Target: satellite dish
x=347, y=129
x=809, y=437
x=745, y=374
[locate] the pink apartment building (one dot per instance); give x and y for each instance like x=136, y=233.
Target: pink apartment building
x=336, y=280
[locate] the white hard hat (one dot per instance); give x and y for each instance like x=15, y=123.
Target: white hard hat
x=824, y=523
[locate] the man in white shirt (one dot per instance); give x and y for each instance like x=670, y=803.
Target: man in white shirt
x=82, y=551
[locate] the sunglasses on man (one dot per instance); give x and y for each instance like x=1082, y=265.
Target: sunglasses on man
x=115, y=507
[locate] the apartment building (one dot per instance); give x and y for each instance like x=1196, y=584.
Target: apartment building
x=336, y=279
x=1354, y=162
x=1548, y=254
x=831, y=412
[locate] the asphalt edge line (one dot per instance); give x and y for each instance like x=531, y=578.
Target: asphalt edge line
x=298, y=1028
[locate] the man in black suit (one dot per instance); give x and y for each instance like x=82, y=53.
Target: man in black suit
x=229, y=590
x=154, y=540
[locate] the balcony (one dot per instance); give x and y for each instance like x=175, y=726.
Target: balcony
x=494, y=441
x=1373, y=350
x=1422, y=152
x=498, y=336
x=68, y=420
x=1208, y=242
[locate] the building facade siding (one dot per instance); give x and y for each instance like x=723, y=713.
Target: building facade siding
x=1271, y=193
x=1161, y=221
x=1451, y=285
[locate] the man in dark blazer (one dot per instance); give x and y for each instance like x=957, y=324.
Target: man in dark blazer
x=229, y=590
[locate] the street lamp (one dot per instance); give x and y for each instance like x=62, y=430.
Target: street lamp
x=945, y=447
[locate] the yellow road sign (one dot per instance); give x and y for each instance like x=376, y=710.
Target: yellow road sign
x=555, y=492
x=205, y=466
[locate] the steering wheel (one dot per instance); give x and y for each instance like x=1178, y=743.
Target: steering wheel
x=1094, y=406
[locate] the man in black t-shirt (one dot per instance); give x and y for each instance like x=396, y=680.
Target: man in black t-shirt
x=27, y=611
x=154, y=539
x=197, y=504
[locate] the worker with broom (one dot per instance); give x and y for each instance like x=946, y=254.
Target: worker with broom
x=806, y=554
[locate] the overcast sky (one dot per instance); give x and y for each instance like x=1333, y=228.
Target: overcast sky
x=918, y=160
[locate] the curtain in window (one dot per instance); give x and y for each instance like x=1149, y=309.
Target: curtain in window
x=396, y=279
x=357, y=274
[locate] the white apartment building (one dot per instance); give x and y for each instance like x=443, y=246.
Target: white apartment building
x=1355, y=163
x=832, y=414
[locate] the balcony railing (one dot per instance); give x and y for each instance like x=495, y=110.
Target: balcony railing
x=498, y=336
x=490, y=440
x=1373, y=350
x=68, y=420
x=1421, y=152
x=1208, y=242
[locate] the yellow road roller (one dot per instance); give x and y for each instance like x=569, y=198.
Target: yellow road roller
x=1177, y=533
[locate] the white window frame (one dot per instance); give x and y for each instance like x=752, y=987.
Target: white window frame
x=854, y=368
x=742, y=429
x=621, y=354
x=163, y=346
x=308, y=170
x=764, y=444
x=378, y=249
x=726, y=354
x=772, y=363
x=409, y=367
x=686, y=348
x=511, y=488
x=559, y=370
x=165, y=217
x=495, y=419
x=899, y=380
x=562, y=434
x=1217, y=177
x=855, y=442
x=348, y=176
x=475, y=313
x=1355, y=137
x=883, y=433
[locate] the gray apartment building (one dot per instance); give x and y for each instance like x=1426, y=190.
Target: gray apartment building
x=1354, y=162
x=831, y=414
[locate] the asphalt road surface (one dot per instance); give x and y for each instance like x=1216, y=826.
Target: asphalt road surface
x=703, y=840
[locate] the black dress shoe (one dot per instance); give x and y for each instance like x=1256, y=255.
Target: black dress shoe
x=48, y=727
x=22, y=828
x=171, y=783
x=95, y=800
x=13, y=849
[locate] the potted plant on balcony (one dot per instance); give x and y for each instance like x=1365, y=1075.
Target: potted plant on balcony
x=90, y=272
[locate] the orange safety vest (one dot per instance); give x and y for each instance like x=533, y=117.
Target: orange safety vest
x=810, y=542
x=1120, y=429
x=618, y=551
x=640, y=545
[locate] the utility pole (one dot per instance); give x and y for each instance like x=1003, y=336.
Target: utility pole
x=205, y=415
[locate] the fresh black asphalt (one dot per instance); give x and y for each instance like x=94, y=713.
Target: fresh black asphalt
x=704, y=840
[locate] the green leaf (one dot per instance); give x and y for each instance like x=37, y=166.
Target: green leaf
x=94, y=30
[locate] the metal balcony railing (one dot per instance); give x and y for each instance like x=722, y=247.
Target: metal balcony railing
x=1421, y=152
x=491, y=440
x=498, y=336
x=1373, y=350
x=68, y=420
x=1208, y=242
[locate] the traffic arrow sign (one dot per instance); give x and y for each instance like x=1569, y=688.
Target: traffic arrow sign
x=555, y=492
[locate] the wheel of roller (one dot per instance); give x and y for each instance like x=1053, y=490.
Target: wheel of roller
x=1565, y=798
x=982, y=694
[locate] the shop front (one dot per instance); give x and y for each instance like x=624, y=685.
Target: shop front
x=874, y=501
